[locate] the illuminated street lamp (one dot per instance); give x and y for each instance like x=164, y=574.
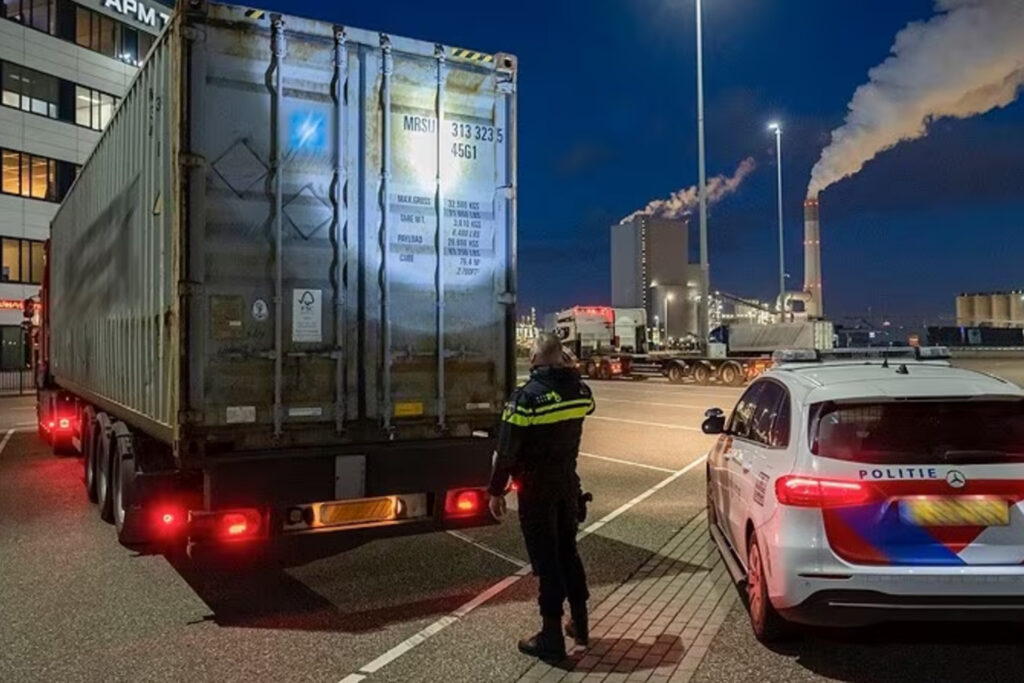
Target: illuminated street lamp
x=702, y=308
x=777, y=128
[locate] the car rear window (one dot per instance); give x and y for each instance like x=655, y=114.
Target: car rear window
x=919, y=432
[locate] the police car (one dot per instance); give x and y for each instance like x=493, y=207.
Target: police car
x=852, y=488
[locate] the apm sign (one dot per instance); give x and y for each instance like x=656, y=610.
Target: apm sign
x=139, y=11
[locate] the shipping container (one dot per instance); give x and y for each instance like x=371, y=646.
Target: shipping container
x=744, y=338
x=295, y=235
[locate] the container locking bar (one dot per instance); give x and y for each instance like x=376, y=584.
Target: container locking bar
x=277, y=44
x=439, y=238
x=339, y=227
x=384, y=281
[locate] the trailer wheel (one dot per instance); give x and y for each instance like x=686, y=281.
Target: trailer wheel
x=676, y=373
x=604, y=371
x=731, y=374
x=104, y=472
x=701, y=374
x=89, y=444
x=127, y=517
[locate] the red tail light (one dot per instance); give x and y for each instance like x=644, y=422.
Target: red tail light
x=227, y=525
x=65, y=423
x=811, y=492
x=168, y=521
x=463, y=502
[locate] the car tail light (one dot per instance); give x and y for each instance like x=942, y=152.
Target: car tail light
x=812, y=492
x=227, y=525
x=64, y=423
x=463, y=502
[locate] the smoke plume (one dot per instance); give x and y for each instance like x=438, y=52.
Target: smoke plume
x=683, y=201
x=966, y=60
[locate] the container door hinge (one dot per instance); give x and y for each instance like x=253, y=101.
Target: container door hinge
x=194, y=34
x=189, y=289
x=507, y=192
x=189, y=160
x=505, y=87
x=507, y=298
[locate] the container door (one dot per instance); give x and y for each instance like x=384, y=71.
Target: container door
x=438, y=183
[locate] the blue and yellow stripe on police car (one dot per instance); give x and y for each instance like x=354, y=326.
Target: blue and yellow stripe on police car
x=549, y=414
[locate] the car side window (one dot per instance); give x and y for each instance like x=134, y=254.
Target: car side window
x=765, y=411
x=780, y=429
x=739, y=424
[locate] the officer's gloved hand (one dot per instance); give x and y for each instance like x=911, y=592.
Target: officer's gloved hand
x=581, y=507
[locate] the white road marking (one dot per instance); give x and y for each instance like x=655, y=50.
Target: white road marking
x=651, y=403
x=488, y=549
x=7, y=437
x=645, y=424
x=627, y=462
x=449, y=619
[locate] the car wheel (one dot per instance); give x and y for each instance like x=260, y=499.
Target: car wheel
x=676, y=373
x=701, y=374
x=767, y=624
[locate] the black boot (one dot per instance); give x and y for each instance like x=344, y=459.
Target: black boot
x=548, y=644
x=578, y=626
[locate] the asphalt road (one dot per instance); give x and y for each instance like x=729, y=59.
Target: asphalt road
x=78, y=606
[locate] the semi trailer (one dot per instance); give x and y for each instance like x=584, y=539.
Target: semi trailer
x=611, y=342
x=280, y=295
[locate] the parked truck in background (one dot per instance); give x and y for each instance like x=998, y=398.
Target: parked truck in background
x=610, y=342
x=280, y=295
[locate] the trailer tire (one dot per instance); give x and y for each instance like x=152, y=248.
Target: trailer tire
x=676, y=373
x=128, y=518
x=89, y=431
x=604, y=371
x=731, y=374
x=104, y=459
x=702, y=374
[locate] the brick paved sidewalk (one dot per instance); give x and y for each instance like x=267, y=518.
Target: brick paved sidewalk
x=659, y=624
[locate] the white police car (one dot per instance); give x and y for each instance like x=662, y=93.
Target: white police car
x=851, y=489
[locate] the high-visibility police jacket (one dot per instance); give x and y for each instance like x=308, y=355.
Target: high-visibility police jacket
x=539, y=439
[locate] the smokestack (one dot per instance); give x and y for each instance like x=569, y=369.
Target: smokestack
x=812, y=259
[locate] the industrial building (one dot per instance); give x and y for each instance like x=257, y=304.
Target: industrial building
x=651, y=270
x=990, y=309
x=64, y=65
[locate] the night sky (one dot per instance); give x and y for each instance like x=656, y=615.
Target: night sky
x=608, y=122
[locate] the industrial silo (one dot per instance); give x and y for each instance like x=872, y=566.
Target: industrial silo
x=982, y=304
x=1001, y=310
x=1017, y=309
x=965, y=310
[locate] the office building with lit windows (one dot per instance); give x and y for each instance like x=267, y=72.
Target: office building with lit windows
x=63, y=67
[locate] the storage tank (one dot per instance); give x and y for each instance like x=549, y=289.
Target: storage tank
x=964, y=310
x=1017, y=309
x=1001, y=310
x=982, y=304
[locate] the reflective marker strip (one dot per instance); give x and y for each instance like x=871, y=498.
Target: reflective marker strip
x=446, y=621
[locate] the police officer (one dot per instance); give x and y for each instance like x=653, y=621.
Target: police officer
x=538, y=445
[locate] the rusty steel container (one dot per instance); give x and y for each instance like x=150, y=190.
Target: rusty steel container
x=294, y=233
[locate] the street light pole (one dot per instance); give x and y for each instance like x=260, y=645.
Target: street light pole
x=668, y=298
x=702, y=307
x=782, y=256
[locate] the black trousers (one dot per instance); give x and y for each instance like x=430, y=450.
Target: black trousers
x=549, y=528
